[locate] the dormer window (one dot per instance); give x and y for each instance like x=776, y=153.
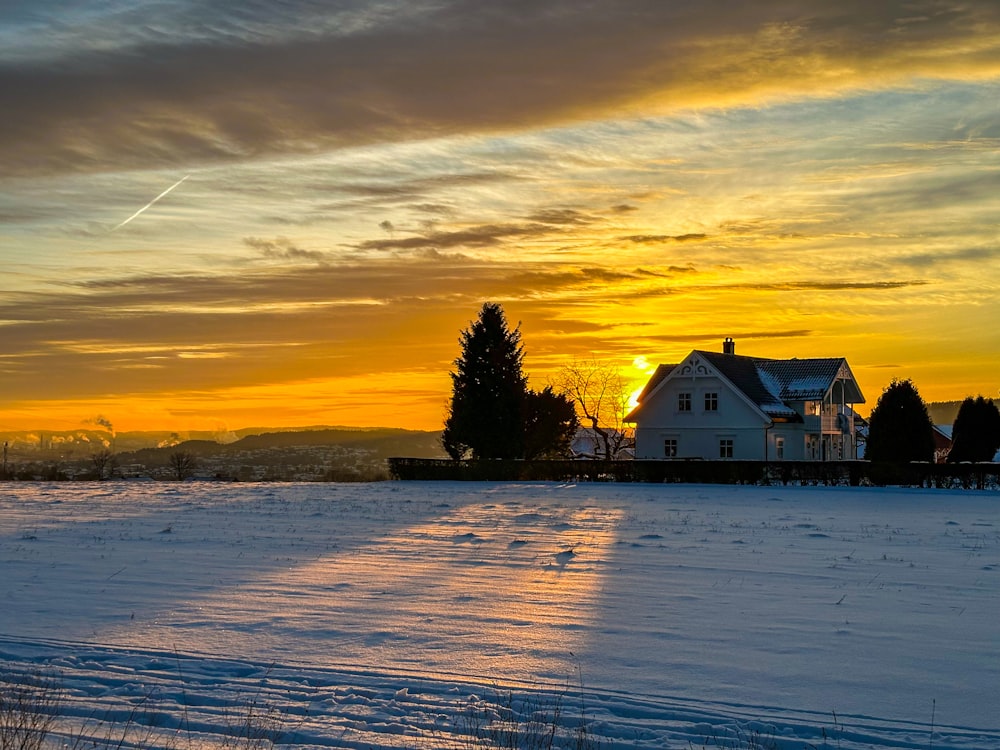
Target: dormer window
x=683, y=402
x=711, y=401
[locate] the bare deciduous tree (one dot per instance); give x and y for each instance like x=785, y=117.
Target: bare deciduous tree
x=601, y=396
x=182, y=464
x=104, y=463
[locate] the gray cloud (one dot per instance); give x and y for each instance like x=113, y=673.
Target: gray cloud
x=541, y=223
x=923, y=260
x=597, y=338
x=562, y=216
x=669, y=271
x=405, y=189
x=738, y=336
x=658, y=239
x=128, y=308
x=920, y=195
x=282, y=248
x=219, y=81
x=487, y=235
x=819, y=286
x=782, y=286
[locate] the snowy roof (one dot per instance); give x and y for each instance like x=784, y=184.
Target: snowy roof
x=809, y=379
x=785, y=379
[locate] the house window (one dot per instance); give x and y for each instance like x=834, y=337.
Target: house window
x=683, y=402
x=779, y=448
x=711, y=402
x=670, y=447
x=726, y=448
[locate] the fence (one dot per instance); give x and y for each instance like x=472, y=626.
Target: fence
x=853, y=473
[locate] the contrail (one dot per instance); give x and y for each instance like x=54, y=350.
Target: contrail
x=146, y=207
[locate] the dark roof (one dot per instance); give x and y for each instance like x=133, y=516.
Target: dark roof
x=772, y=383
x=747, y=375
x=657, y=377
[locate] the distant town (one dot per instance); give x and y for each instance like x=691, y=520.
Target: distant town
x=318, y=453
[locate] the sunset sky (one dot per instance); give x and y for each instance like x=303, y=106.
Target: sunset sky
x=220, y=214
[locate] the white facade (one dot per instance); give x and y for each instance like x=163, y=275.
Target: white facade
x=722, y=406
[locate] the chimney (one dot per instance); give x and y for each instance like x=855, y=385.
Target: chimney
x=729, y=346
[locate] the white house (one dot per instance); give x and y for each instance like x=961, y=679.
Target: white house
x=713, y=406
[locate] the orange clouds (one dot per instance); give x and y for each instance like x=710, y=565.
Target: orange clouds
x=631, y=179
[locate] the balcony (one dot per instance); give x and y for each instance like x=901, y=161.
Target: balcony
x=832, y=420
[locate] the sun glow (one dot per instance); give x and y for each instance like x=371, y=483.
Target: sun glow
x=775, y=180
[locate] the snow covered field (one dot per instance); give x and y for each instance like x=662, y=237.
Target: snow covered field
x=373, y=613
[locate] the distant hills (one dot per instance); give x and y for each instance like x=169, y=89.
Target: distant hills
x=328, y=453
x=377, y=443
x=89, y=438
x=313, y=453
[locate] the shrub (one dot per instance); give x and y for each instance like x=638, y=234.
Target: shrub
x=29, y=707
x=31, y=719
x=900, y=429
x=506, y=721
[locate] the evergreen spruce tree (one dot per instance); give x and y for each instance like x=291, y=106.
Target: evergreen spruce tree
x=976, y=432
x=550, y=424
x=485, y=418
x=900, y=429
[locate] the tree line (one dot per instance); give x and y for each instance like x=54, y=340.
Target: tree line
x=900, y=428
